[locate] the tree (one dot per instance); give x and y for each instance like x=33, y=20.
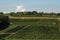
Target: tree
x=27, y=13
x=1, y=13
x=12, y=13
x=34, y=12
x=58, y=14
x=4, y=22
x=41, y=13
x=53, y=14
x=19, y=13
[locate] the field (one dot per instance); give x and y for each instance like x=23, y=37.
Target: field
x=33, y=28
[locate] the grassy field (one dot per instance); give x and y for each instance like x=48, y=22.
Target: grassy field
x=32, y=29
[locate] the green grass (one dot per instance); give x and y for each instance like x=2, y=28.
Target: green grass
x=24, y=22
x=36, y=32
x=33, y=29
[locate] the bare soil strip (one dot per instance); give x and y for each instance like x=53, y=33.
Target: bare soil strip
x=58, y=18
x=34, y=18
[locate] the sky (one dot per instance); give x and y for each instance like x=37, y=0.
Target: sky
x=30, y=5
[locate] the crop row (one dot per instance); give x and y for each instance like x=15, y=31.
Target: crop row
x=37, y=32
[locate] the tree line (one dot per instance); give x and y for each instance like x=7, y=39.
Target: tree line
x=29, y=13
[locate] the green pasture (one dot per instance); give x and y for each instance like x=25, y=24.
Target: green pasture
x=34, y=29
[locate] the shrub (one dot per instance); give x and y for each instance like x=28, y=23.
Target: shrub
x=4, y=22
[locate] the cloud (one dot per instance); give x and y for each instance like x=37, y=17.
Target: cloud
x=20, y=9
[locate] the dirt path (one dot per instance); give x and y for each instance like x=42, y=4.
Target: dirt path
x=33, y=17
x=58, y=18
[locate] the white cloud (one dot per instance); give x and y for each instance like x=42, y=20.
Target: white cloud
x=20, y=9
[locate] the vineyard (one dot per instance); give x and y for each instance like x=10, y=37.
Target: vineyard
x=31, y=29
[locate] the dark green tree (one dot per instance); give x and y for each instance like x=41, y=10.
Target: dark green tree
x=4, y=22
x=20, y=13
x=58, y=14
x=12, y=13
x=27, y=13
x=1, y=13
x=41, y=13
x=34, y=13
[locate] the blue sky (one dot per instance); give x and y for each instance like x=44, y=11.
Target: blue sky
x=30, y=5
